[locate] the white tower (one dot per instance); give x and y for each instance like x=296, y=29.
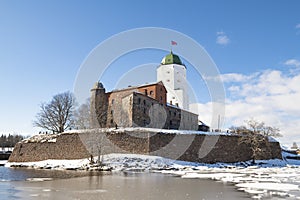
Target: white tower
x=173, y=75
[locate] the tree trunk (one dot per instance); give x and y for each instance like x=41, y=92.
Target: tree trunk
x=253, y=160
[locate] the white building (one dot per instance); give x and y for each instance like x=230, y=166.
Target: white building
x=172, y=72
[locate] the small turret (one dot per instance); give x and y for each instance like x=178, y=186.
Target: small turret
x=98, y=85
x=99, y=104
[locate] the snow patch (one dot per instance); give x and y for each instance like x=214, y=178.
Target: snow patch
x=42, y=138
x=269, y=186
x=153, y=130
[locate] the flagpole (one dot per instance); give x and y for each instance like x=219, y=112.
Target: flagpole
x=172, y=44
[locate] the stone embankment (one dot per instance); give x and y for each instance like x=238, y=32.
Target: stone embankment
x=177, y=145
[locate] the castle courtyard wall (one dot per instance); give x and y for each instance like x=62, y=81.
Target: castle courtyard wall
x=187, y=147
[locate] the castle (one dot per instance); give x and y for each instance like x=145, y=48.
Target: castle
x=163, y=104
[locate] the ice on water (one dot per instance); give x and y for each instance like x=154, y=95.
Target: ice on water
x=269, y=178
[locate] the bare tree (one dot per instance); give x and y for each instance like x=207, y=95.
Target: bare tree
x=270, y=131
x=256, y=135
x=238, y=129
x=261, y=128
x=95, y=142
x=255, y=142
x=57, y=115
x=82, y=116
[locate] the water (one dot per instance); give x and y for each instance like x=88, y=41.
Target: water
x=67, y=185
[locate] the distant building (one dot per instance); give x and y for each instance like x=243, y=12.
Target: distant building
x=203, y=127
x=139, y=106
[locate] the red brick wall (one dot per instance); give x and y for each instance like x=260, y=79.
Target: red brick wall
x=155, y=91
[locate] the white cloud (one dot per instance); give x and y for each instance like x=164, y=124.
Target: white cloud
x=270, y=96
x=228, y=78
x=298, y=26
x=292, y=62
x=233, y=77
x=222, y=38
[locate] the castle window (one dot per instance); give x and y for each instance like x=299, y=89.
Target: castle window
x=168, y=72
x=171, y=122
x=151, y=92
x=144, y=122
x=112, y=101
x=111, y=121
x=144, y=110
x=161, y=98
x=112, y=112
x=146, y=92
x=174, y=113
x=168, y=80
x=139, y=100
x=144, y=102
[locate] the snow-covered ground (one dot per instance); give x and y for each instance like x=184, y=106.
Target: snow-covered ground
x=154, y=130
x=271, y=178
x=3, y=162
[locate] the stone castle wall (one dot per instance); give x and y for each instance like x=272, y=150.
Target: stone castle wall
x=143, y=106
x=67, y=146
x=187, y=147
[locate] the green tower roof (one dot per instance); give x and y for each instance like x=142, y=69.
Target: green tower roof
x=171, y=59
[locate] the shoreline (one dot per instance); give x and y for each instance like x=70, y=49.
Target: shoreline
x=119, y=161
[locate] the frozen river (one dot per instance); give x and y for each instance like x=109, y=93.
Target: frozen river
x=204, y=183
x=121, y=185
x=151, y=177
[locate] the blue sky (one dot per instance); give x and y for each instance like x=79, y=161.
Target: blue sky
x=43, y=44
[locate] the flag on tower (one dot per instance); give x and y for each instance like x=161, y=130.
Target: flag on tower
x=173, y=43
